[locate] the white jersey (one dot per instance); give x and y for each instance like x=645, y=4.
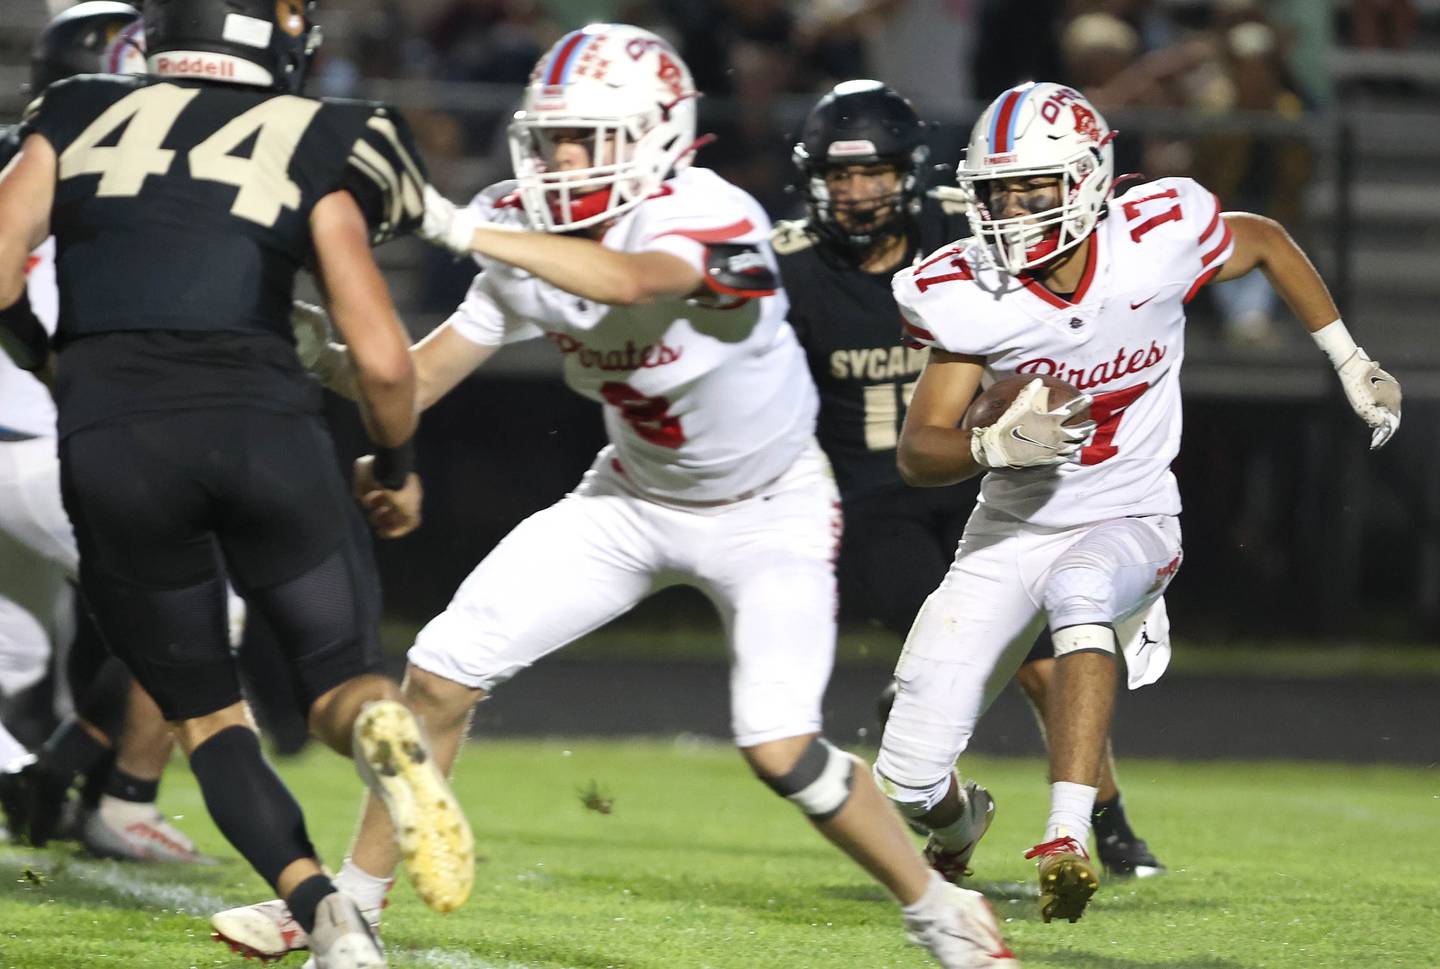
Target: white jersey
x=700, y=403
x=1120, y=339
x=25, y=403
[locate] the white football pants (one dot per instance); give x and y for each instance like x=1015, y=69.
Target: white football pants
x=38, y=559
x=973, y=632
x=765, y=561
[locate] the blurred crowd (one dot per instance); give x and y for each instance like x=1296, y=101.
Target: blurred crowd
x=760, y=62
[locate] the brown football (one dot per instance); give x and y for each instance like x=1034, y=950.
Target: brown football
x=987, y=408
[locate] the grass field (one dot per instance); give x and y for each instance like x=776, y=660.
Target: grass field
x=697, y=865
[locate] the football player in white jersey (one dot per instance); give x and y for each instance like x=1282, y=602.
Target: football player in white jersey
x=657, y=283
x=1076, y=526
x=39, y=559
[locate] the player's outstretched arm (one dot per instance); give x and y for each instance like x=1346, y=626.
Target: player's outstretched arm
x=27, y=188
x=575, y=264
x=1263, y=243
x=933, y=450
x=361, y=306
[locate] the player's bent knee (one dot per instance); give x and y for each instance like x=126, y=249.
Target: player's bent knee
x=911, y=802
x=1078, y=596
x=820, y=783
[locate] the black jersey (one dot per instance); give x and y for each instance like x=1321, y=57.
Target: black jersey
x=850, y=327
x=181, y=217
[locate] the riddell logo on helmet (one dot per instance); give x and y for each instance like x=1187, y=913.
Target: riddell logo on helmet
x=194, y=66
x=999, y=159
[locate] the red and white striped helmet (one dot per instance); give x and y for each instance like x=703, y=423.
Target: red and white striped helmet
x=630, y=89
x=1038, y=129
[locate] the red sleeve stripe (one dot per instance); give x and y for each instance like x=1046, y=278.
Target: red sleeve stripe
x=1225, y=241
x=919, y=333
x=723, y=234
x=30, y=264
x=1205, y=277
x=1214, y=223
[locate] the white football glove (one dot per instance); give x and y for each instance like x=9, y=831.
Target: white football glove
x=1374, y=395
x=313, y=345
x=1031, y=435
x=446, y=225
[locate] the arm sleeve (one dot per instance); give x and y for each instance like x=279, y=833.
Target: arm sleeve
x=482, y=319
x=385, y=173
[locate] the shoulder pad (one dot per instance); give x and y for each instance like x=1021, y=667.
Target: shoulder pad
x=385, y=161
x=734, y=273
x=791, y=236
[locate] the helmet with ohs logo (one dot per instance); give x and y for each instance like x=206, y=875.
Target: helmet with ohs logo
x=624, y=93
x=1038, y=130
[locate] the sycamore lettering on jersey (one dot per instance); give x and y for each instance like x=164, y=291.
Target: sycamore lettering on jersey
x=702, y=403
x=878, y=363
x=1120, y=337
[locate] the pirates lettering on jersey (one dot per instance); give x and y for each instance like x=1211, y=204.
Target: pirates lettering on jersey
x=1159, y=243
x=701, y=402
x=178, y=182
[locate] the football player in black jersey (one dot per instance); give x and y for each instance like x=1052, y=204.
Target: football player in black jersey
x=862, y=159
x=117, y=740
x=182, y=204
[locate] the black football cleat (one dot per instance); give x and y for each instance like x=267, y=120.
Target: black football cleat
x=1127, y=859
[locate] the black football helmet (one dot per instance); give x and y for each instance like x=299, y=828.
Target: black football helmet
x=75, y=41
x=862, y=122
x=262, y=42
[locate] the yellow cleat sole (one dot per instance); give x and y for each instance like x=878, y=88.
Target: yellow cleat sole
x=434, y=838
x=1065, y=889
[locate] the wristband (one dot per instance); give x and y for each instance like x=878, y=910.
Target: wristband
x=1336, y=343
x=394, y=464
x=23, y=336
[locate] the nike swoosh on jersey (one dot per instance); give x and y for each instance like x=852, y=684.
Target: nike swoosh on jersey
x=1136, y=306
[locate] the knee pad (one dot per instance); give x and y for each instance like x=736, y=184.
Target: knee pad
x=911, y=802
x=820, y=783
x=1079, y=595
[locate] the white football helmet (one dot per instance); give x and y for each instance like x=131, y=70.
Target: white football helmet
x=1038, y=130
x=626, y=92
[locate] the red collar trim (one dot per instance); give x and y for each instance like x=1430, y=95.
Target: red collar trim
x=1091, y=261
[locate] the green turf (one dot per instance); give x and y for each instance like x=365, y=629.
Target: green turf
x=1275, y=865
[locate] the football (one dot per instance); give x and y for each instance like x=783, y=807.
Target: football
x=997, y=398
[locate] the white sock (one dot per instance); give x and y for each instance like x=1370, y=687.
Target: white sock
x=934, y=895
x=958, y=833
x=1070, y=807
x=11, y=749
x=117, y=810
x=367, y=890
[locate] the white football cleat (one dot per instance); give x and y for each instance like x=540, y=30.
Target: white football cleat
x=961, y=932
x=267, y=931
x=128, y=831
x=342, y=938
x=433, y=836
x=978, y=812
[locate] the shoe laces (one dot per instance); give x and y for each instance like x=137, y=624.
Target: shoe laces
x=1063, y=845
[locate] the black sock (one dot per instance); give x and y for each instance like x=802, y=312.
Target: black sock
x=71, y=750
x=249, y=803
x=306, y=897
x=1109, y=821
x=128, y=787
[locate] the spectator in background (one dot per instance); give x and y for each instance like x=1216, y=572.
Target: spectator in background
x=1255, y=172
